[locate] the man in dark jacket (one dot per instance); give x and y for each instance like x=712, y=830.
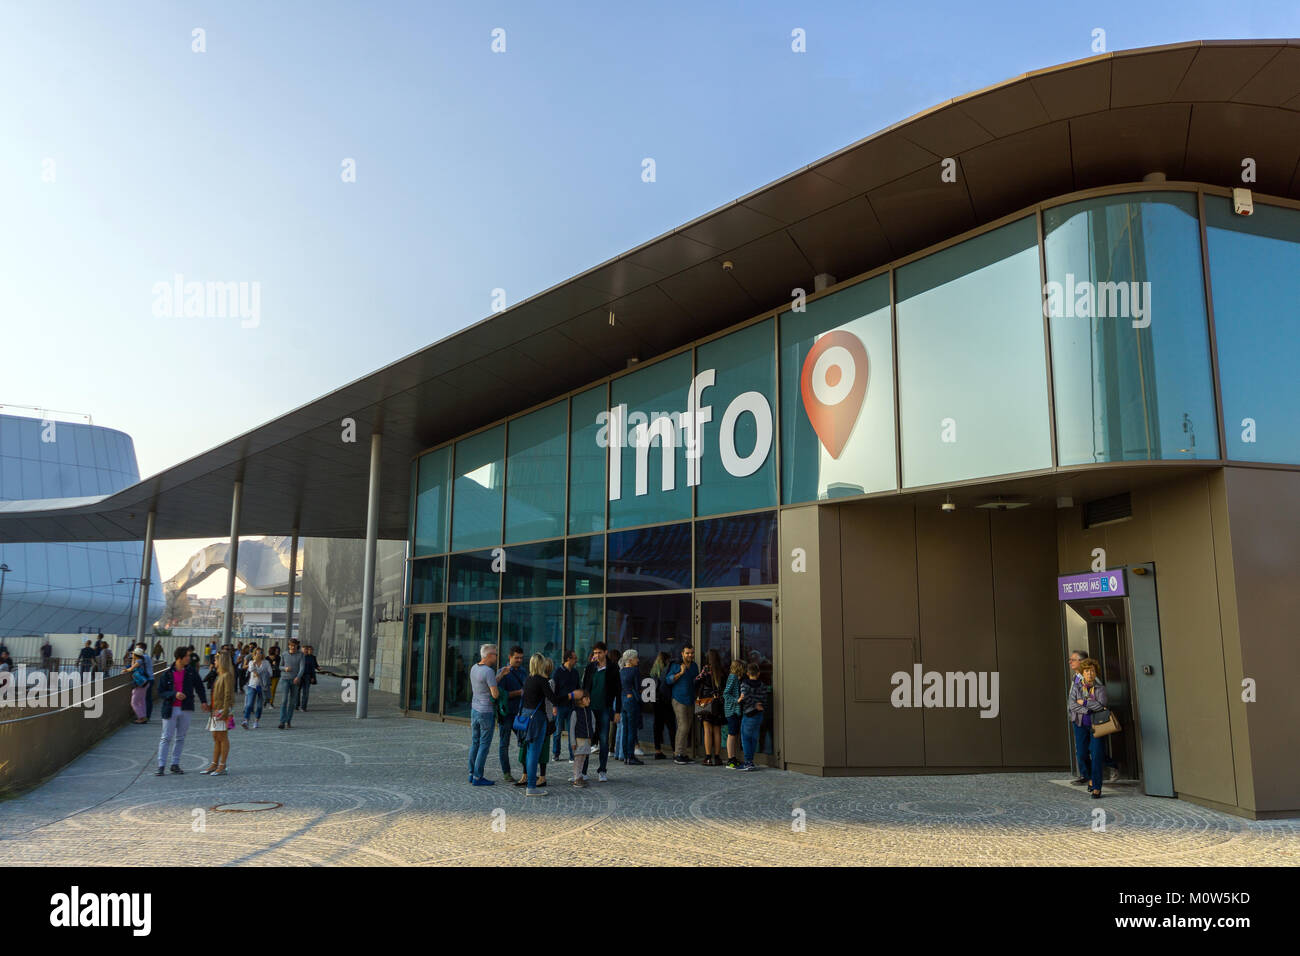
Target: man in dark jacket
x=177, y=689
x=600, y=681
x=566, y=681
x=308, y=676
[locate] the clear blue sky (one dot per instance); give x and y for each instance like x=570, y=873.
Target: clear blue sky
x=475, y=170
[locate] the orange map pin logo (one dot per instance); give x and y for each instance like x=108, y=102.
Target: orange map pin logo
x=834, y=383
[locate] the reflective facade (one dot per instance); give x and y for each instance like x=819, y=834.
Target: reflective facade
x=62, y=588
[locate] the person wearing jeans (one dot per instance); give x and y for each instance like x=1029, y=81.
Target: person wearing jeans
x=291, y=671
x=753, y=699
x=177, y=690
x=1082, y=709
x=259, y=678
x=482, y=712
x=600, y=681
x=680, y=679
x=510, y=680
x=566, y=681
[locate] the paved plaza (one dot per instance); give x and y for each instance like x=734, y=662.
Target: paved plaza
x=393, y=790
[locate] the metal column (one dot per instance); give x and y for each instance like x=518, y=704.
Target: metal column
x=232, y=562
x=146, y=566
x=293, y=574
x=368, y=587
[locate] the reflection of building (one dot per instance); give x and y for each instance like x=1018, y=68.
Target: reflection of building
x=66, y=587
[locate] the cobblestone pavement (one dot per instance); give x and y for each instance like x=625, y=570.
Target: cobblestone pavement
x=393, y=790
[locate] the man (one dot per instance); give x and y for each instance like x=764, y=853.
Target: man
x=566, y=681
x=510, y=680
x=105, y=658
x=1083, y=734
x=177, y=689
x=681, y=682
x=291, y=677
x=308, y=675
x=482, y=712
x=86, y=659
x=600, y=681
x=47, y=655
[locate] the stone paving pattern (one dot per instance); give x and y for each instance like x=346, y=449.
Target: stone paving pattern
x=394, y=790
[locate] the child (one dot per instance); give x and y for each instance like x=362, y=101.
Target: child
x=753, y=699
x=582, y=728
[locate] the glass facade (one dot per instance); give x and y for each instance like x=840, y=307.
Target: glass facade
x=607, y=514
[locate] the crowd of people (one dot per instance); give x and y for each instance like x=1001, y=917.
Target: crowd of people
x=600, y=709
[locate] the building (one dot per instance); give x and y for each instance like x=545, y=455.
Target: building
x=1012, y=377
x=67, y=587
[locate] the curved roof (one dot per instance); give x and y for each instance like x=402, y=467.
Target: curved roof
x=1189, y=110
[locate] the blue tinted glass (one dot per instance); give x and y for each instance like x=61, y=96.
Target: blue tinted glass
x=650, y=624
x=583, y=626
x=737, y=445
x=471, y=578
x=587, y=454
x=433, y=482
x=651, y=484
x=468, y=628
x=535, y=474
x=476, y=502
x=972, y=367
x=535, y=626
x=650, y=559
x=586, y=565
x=850, y=450
x=534, y=570
x=428, y=581
x=1130, y=341
x=1255, y=277
x=736, y=551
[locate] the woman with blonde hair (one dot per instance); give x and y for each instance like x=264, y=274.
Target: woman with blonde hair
x=222, y=719
x=532, y=708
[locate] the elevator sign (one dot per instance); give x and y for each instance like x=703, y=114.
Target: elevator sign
x=1075, y=586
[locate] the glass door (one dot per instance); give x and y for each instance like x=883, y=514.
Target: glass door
x=742, y=626
x=424, y=657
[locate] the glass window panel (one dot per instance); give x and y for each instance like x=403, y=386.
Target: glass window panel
x=431, y=496
x=584, y=626
x=415, y=664
x=651, y=624
x=476, y=501
x=588, y=490
x=738, y=444
x=736, y=551
x=1125, y=393
x=650, y=559
x=650, y=457
x=1255, y=277
x=972, y=368
x=468, y=627
x=536, y=626
x=471, y=578
x=856, y=455
x=535, y=474
x=534, y=570
x=428, y=581
x=586, y=567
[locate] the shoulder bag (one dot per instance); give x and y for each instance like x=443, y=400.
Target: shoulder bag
x=1105, y=723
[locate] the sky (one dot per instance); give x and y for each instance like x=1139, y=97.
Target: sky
x=128, y=156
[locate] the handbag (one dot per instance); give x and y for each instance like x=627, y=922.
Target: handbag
x=1104, y=723
x=708, y=705
x=524, y=720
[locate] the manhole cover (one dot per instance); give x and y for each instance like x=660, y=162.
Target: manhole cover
x=249, y=807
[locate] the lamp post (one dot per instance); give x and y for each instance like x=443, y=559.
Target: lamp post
x=4, y=569
x=131, y=602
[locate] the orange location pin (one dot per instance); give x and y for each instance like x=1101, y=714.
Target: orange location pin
x=833, y=383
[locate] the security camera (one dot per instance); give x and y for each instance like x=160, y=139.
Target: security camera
x=948, y=506
x=1242, y=202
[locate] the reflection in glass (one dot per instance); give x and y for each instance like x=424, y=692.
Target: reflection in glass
x=587, y=488
x=477, y=495
x=468, y=627
x=972, y=368
x=471, y=577
x=534, y=570
x=1130, y=340
x=1255, y=278
x=757, y=647
x=433, y=672
x=415, y=664
x=649, y=623
x=584, y=626
x=535, y=474
x=431, y=497
x=865, y=463
x=650, y=559
x=744, y=364
x=736, y=551
x=586, y=568
x=651, y=456
x=428, y=580
x=533, y=625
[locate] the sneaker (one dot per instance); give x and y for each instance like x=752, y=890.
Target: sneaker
x=483, y=782
x=244, y=724
x=579, y=784
x=748, y=766
x=159, y=772
x=536, y=793
x=471, y=778
x=633, y=762
x=582, y=776
x=638, y=752
x=681, y=760
x=660, y=755
x=175, y=768
x=604, y=777
x=254, y=725
x=1112, y=774
x=733, y=764
x=281, y=727
x=508, y=777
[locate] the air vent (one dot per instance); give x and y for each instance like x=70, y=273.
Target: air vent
x=1107, y=510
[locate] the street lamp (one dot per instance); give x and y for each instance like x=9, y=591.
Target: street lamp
x=4, y=569
x=131, y=602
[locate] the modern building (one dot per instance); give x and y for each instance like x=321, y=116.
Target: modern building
x=67, y=587
x=1012, y=377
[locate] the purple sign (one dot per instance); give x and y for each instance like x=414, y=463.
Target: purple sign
x=1104, y=584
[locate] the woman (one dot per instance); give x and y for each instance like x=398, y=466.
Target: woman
x=629, y=676
x=731, y=711
x=139, y=685
x=1092, y=698
x=273, y=659
x=537, y=693
x=157, y=650
x=550, y=711
x=223, y=705
x=665, y=720
x=709, y=684
x=259, y=678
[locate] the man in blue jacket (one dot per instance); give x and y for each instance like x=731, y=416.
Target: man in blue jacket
x=510, y=681
x=681, y=681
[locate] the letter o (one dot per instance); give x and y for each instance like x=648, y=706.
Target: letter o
x=756, y=404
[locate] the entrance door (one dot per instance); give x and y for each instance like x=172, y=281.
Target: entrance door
x=423, y=684
x=742, y=626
